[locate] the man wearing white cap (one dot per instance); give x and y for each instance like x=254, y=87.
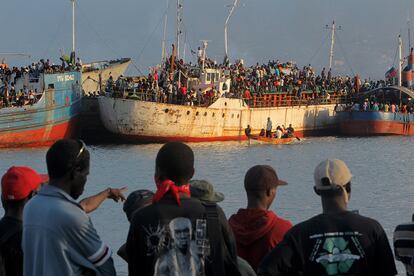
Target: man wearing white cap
x=336, y=242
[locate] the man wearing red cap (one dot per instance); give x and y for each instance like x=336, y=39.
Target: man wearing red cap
x=257, y=229
x=18, y=185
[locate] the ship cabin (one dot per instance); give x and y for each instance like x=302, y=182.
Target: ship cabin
x=211, y=78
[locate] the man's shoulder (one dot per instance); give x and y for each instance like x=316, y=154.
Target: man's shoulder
x=282, y=222
x=170, y=209
x=58, y=210
x=346, y=220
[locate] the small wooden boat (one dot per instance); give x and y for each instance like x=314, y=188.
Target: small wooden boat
x=275, y=141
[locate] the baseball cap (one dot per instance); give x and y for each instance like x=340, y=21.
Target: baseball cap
x=18, y=182
x=136, y=200
x=204, y=190
x=335, y=170
x=262, y=177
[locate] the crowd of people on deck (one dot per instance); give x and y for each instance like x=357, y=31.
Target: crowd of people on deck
x=160, y=90
x=383, y=106
x=245, y=82
x=181, y=230
x=24, y=76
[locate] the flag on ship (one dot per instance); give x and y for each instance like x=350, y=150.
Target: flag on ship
x=392, y=73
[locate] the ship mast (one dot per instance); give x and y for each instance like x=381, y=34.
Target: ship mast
x=331, y=53
x=400, y=60
x=178, y=26
x=226, y=56
x=164, y=34
x=409, y=33
x=73, y=25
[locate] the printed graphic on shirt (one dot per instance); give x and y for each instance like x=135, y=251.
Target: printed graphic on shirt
x=337, y=252
x=177, y=248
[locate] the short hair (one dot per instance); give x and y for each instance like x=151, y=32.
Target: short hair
x=62, y=157
x=176, y=161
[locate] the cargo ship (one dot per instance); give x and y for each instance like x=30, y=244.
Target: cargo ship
x=52, y=114
x=159, y=113
x=136, y=120
x=385, y=110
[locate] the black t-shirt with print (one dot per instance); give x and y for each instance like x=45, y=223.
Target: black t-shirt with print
x=167, y=239
x=11, y=253
x=332, y=244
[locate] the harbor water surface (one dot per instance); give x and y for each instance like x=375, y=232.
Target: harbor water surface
x=382, y=184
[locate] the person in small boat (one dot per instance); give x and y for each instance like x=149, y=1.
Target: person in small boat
x=279, y=132
x=290, y=131
x=262, y=132
x=248, y=131
x=269, y=127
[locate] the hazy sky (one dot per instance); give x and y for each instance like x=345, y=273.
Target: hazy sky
x=259, y=30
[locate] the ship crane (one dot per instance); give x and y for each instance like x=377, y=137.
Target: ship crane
x=226, y=54
x=331, y=52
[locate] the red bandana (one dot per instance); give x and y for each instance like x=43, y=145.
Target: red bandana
x=168, y=185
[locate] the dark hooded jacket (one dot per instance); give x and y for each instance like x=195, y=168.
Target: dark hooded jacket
x=257, y=232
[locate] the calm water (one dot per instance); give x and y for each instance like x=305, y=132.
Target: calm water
x=382, y=184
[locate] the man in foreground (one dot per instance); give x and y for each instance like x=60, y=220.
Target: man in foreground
x=58, y=236
x=18, y=185
x=258, y=230
x=177, y=234
x=336, y=242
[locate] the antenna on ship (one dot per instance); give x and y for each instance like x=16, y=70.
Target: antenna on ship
x=203, y=56
x=331, y=52
x=226, y=54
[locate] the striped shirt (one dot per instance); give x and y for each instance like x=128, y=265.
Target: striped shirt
x=60, y=239
x=404, y=245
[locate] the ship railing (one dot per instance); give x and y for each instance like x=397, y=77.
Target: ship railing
x=283, y=100
x=160, y=97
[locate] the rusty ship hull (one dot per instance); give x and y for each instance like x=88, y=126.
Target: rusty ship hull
x=144, y=121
